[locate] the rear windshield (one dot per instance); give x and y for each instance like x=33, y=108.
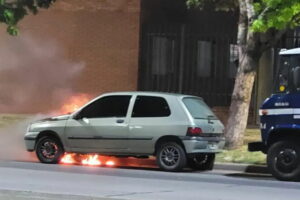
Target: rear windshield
x=198, y=109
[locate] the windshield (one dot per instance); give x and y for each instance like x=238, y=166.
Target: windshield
x=198, y=109
x=286, y=65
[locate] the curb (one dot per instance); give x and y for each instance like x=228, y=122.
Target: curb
x=244, y=168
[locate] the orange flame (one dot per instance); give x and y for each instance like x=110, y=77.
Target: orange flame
x=74, y=103
x=110, y=163
x=68, y=159
x=88, y=160
x=92, y=160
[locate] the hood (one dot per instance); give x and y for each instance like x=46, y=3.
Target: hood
x=57, y=118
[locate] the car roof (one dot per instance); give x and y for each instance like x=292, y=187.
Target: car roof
x=149, y=93
x=290, y=52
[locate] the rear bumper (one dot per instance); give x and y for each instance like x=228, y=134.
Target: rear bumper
x=257, y=146
x=203, y=144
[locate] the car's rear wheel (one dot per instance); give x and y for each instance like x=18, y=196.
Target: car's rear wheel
x=171, y=156
x=202, y=161
x=284, y=160
x=49, y=150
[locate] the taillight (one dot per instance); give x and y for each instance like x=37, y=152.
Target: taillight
x=194, y=131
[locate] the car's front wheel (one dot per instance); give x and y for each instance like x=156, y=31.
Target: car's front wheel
x=284, y=160
x=49, y=150
x=202, y=161
x=171, y=156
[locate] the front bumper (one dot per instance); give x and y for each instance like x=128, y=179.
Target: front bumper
x=203, y=144
x=257, y=146
x=30, y=139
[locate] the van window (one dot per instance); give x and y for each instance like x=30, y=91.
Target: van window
x=148, y=106
x=110, y=106
x=198, y=109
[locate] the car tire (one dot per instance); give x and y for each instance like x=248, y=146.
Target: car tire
x=283, y=160
x=49, y=150
x=202, y=161
x=171, y=157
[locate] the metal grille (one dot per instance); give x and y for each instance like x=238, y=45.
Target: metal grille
x=189, y=59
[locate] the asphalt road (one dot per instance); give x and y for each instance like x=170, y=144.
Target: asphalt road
x=30, y=180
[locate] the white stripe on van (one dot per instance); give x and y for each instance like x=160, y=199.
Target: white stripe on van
x=279, y=111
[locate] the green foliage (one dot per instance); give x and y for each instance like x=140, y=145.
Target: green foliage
x=195, y=3
x=12, y=11
x=269, y=14
x=278, y=14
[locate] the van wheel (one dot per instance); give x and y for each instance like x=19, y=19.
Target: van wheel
x=202, y=161
x=284, y=160
x=171, y=157
x=49, y=150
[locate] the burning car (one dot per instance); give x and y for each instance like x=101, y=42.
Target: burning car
x=177, y=129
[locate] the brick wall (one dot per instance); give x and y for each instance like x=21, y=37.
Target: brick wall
x=104, y=34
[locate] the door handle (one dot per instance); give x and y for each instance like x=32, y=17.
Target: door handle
x=86, y=120
x=135, y=127
x=120, y=121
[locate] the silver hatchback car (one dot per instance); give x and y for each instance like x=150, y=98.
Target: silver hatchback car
x=177, y=129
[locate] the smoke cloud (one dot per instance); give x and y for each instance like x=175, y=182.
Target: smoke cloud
x=35, y=75
x=12, y=145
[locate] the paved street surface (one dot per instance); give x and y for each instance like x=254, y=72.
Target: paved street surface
x=29, y=180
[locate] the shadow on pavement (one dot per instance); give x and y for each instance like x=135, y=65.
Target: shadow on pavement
x=250, y=175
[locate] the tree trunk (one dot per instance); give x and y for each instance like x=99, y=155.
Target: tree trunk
x=240, y=101
x=249, y=54
x=251, y=47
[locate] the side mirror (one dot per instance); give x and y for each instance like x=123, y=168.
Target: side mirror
x=296, y=77
x=77, y=116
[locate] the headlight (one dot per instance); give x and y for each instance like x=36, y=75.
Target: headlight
x=28, y=128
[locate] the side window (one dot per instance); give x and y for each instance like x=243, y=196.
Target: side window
x=111, y=106
x=282, y=84
x=147, y=106
x=204, y=58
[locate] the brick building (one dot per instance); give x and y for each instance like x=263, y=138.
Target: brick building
x=155, y=45
x=102, y=34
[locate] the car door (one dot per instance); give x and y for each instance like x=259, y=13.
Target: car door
x=101, y=126
x=149, y=120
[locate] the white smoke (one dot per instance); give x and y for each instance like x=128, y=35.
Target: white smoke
x=35, y=75
x=12, y=144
